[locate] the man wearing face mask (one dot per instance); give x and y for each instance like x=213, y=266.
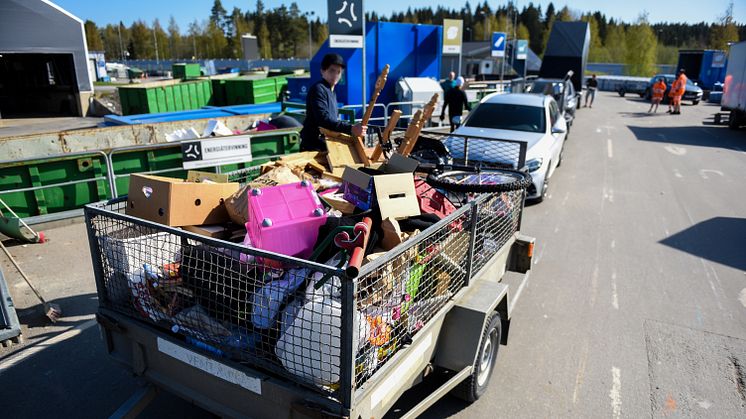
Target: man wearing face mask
x=321, y=107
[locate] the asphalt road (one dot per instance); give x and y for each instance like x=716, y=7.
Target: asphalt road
x=636, y=306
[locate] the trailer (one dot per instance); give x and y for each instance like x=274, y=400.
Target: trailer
x=704, y=66
x=733, y=101
x=230, y=332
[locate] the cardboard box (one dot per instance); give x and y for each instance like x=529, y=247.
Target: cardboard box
x=197, y=176
x=177, y=203
x=216, y=231
x=393, y=191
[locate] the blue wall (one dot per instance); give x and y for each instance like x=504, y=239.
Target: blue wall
x=411, y=51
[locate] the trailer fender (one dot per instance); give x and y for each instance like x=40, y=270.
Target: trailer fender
x=459, y=338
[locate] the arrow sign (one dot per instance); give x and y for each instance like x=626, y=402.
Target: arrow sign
x=521, y=49
x=498, y=44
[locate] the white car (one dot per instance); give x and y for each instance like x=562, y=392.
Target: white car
x=534, y=119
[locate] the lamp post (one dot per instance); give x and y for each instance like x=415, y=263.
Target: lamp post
x=310, y=47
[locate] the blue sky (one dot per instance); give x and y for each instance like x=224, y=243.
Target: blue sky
x=185, y=11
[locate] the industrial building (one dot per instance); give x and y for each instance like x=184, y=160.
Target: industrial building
x=42, y=72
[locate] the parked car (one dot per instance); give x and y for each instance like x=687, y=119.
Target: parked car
x=563, y=92
x=693, y=92
x=534, y=119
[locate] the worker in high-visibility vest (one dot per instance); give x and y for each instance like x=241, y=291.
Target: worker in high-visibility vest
x=677, y=91
x=659, y=89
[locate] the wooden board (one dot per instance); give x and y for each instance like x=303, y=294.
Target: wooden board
x=342, y=153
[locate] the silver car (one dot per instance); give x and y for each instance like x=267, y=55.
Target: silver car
x=534, y=119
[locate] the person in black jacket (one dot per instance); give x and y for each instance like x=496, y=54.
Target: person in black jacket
x=321, y=107
x=455, y=100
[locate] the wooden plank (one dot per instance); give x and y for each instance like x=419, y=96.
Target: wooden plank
x=342, y=153
x=386, y=135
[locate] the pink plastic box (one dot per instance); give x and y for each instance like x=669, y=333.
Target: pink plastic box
x=285, y=219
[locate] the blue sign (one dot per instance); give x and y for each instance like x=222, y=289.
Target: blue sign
x=521, y=52
x=499, y=39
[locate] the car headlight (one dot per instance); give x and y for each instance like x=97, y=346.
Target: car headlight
x=534, y=164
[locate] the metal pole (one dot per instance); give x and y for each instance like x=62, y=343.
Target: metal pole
x=365, y=87
x=121, y=49
x=155, y=38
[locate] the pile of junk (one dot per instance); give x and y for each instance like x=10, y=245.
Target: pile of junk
x=272, y=268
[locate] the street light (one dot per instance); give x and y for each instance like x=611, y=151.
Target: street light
x=488, y=34
x=310, y=48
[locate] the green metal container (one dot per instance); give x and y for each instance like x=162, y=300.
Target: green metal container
x=54, y=184
x=165, y=97
x=62, y=183
x=219, y=97
x=185, y=71
x=250, y=90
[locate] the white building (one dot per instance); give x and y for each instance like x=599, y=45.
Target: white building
x=43, y=60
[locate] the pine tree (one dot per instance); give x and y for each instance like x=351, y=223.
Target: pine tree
x=725, y=32
x=641, y=49
x=93, y=37
x=141, y=41
x=162, y=40
x=174, y=39
x=616, y=43
x=218, y=15
x=265, y=48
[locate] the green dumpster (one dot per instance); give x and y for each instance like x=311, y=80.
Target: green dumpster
x=169, y=96
x=185, y=71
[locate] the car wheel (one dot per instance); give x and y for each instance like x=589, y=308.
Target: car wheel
x=647, y=93
x=476, y=384
x=718, y=119
x=544, y=186
x=622, y=92
x=695, y=102
x=642, y=95
x=559, y=160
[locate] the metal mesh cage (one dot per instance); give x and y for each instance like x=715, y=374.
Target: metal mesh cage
x=254, y=307
x=399, y=296
x=301, y=320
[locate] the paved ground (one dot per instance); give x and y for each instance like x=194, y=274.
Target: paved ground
x=636, y=305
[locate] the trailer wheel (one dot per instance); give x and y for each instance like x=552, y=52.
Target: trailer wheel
x=476, y=384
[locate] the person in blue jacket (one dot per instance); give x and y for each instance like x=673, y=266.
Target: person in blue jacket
x=321, y=107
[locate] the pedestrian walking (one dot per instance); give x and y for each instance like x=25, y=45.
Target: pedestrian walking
x=590, y=92
x=455, y=100
x=659, y=89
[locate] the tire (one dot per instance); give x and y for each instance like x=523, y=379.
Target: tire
x=474, y=386
x=734, y=120
x=463, y=181
x=695, y=102
x=718, y=119
x=647, y=94
x=622, y=92
x=544, y=187
x=642, y=95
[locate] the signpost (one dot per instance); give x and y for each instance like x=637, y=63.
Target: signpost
x=347, y=29
x=521, y=53
x=216, y=152
x=499, y=40
x=453, y=30
x=497, y=48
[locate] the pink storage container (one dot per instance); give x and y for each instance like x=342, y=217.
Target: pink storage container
x=285, y=219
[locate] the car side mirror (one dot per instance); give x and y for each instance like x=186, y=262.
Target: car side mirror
x=557, y=129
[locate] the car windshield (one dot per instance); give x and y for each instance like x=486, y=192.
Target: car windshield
x=540, y=86
x=508, y=116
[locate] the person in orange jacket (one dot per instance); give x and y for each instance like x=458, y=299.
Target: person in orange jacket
x=659, y=89
x=677, y=91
